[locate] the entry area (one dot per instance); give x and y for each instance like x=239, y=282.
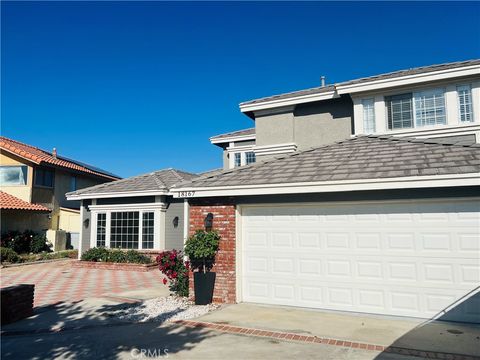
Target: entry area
x=404, y=258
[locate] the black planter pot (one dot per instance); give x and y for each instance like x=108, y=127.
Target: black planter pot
x=203, y=284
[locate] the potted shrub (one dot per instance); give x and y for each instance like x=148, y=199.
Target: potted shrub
x=201, y=249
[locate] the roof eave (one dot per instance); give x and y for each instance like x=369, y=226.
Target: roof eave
x=430, y=181
x=123, y=194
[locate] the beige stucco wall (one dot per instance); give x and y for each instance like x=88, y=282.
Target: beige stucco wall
x=69, y=220
x=23, y=192
x=274, y=129
x=307, y=125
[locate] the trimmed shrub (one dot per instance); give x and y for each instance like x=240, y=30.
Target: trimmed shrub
x=102, y=254
x=95, y=254
x=8, y=255
x=39, y=244
x=201, y=249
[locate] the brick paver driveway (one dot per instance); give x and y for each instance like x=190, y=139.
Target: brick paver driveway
x=58, y=281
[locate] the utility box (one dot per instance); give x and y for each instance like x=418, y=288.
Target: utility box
x=58, y=238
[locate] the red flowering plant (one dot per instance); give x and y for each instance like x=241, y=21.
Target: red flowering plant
x=171, y=264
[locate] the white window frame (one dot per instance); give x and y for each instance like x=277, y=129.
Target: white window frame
x=472, y=114
x=156, y=208
x=242, y=150
x=370, y=102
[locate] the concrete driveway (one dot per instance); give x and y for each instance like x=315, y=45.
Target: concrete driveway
x=84, y=330
x=436, y=339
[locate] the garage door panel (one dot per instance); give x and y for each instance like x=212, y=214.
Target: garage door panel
x=412, y=259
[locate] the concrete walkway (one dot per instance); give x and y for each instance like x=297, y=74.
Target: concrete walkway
x=433, y=336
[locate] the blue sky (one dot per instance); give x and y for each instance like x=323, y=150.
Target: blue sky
x=136, y=87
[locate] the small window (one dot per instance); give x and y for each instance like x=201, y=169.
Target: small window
x=249, y=157
x=465, y=103
x=148, y=230
x=101, y=229
x=13, y=175
x=44, y=177
x=368, y=116
x=238, y=159
x=400, y=111
x=73, y=183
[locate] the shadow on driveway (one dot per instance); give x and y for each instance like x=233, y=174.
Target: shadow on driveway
x=80, y=332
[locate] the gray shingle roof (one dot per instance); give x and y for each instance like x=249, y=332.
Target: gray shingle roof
x=363, y=157
x=390, y=75
x=157, y=180
x=250, y=131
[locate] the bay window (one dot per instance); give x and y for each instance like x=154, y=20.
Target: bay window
x=132, y=229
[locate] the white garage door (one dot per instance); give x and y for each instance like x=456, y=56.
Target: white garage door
x=409, y=258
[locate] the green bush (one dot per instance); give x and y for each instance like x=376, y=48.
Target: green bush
x=102, y=254
x=8, y=255
x=95, y=254
x=39, y=244
x=201, y=249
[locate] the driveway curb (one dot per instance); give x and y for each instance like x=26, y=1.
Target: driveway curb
x=285, y=336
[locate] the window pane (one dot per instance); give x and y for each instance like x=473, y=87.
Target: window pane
x=465, y=103
x=249, y=157
x=430, y=108
x=13, y=175
x=238, y=159
x=44, y=177
x=101, y=229
x=368, y=116
x=73, y=183
x=124, y=230
x=400, y=115
x=147, y=230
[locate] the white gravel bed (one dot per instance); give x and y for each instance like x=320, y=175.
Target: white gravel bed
x=162, y=309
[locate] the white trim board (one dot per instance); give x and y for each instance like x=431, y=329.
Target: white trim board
x=117, y=194
x=223, y=140
x=431, y=181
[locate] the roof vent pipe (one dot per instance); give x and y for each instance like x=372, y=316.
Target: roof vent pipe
x=322, y=80
x=54, y=153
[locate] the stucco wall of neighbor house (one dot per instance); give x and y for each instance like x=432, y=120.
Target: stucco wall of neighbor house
x=23, y=192
x=324, y=122
x=223, y=211
x=69, y=220
x=174, y=234
x=18, y=220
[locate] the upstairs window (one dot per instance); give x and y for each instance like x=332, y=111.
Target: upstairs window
x=430, y=108
x=238, y=159
x=400, y=111
x=13, y=175
x=73, y=183
x=465, y=103
x=44, y=177
x=249, y=157
x=368, y=116
x=424, y=108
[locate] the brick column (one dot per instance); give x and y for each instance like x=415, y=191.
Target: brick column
x=223, y=211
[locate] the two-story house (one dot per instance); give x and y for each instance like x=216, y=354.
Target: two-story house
x=358, y=196
x=33, y=183
x=427, y=102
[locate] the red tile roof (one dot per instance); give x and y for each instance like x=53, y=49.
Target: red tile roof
x=39, y=156
x=11, y=202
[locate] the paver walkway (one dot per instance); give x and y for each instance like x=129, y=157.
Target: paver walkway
x=59, y=282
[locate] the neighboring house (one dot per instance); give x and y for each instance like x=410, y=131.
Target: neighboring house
x=135, y=213
x=383, y=223
x=427, y=102
x=33, y=183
